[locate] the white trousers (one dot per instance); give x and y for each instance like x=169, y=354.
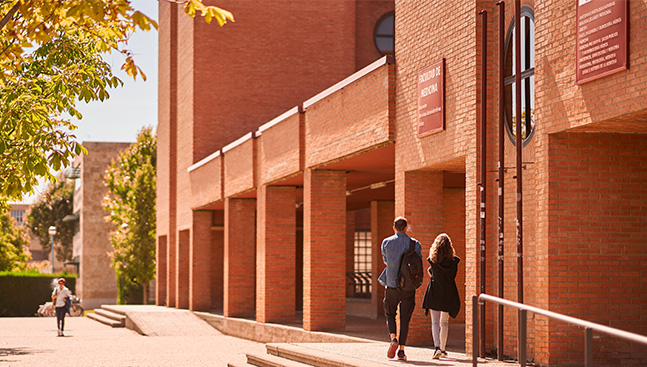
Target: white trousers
x=439, y=328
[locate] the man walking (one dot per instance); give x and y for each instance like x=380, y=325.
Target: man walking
x=393, y=248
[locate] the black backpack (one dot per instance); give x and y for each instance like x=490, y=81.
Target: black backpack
x=411, y=272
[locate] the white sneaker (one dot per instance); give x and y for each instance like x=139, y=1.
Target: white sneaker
x=437, y=354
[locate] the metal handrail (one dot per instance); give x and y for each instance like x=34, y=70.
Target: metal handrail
x=588, y=326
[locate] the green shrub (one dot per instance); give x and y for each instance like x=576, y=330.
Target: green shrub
x=22, y=293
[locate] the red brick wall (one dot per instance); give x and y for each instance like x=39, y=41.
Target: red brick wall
x=454, y=226
x=200, y=262
x=368, y=13
x=276, y=254
x=186, y=119
x=278, y=150
x=561, y=103
x=217, y=267
x=240, y=258
x=161, y=270
x=239, y=168
x=423, y=207
x=182, y=269
x=324, y=250
x=382, y=216
x=350, y=250
x=425, y=34
x=598, y=190
x=242, y=83
x=350, y=120
x=166, y=145
x=207, y=183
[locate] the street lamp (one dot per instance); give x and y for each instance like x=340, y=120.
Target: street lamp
x=52, y=232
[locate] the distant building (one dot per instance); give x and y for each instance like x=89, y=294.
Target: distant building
x=97, y=283
x=19, y=212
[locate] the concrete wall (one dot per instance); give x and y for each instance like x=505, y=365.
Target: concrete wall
x=97, y=283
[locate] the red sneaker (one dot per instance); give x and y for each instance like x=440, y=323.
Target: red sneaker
x=392, y=348
x=401, y=355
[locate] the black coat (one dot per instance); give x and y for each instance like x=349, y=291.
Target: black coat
x=442, y=294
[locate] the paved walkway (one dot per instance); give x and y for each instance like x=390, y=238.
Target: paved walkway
x=33, y=342
x=180, y=339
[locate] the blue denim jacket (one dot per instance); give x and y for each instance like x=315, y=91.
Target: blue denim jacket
x=392, y=250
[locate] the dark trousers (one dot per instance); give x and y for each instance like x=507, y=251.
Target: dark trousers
x=60, y=317
x=407, y=301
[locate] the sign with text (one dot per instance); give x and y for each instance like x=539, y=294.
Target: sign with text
x=602, y=38
x=431, y=99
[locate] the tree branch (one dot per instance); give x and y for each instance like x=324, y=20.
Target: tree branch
x=9, y=15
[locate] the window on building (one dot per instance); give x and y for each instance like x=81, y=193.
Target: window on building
x=19, y=216
x=363, y=252
x=527, y=77
x=360, y=278
x=384, y=34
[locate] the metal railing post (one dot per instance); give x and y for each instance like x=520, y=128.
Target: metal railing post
x=588, y=347
x=522, y=337
x=475, y=329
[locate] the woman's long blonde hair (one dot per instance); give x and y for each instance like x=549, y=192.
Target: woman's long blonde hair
x=441, y=249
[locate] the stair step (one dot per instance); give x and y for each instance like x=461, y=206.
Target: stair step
x=268, y=360
x=317, y=358
x=114, y=309
x=235, y=364
x=104, y=320
x=111, y=315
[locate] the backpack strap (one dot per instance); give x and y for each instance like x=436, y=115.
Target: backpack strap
x=412, y=245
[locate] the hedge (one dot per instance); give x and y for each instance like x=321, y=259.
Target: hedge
x=22, y=293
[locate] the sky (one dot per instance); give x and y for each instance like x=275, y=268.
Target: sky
x=132, y=106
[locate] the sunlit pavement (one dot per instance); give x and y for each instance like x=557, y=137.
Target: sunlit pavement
x=33, y=342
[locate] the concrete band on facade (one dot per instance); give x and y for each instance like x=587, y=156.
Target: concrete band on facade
x=260, y=203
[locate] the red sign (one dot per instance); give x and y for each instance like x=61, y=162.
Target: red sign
x=602, y=38
x=431, y=99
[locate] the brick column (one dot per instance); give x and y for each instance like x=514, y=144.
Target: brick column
x=182, y=269
x=382, y=215
x=423, y=208
x=160, y=271
x=200, y=262
x=276, y=254
x=324, y=250
x=239, y=258
x=350, y=250
x=217, y=266
x=171, y=263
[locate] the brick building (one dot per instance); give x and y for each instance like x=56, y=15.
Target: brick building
x=288, y=142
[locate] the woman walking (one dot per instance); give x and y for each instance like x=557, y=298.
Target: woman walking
x=58, y=299
x=442, y=296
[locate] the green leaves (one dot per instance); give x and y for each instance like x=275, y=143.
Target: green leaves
x=208, y=12
x=50, y=58
x=50, y=209
x=33, y=100
x=130, y=202
x=14, y=244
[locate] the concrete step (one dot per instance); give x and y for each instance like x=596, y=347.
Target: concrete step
x=118, y=309
x=235, y=364
x=104, y=320
x=268, y=360
x=111, y=315
x=317, y=358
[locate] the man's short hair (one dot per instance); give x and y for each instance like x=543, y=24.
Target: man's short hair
x=400, y=224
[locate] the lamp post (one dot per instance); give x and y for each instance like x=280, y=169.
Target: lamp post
x=52, y=232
